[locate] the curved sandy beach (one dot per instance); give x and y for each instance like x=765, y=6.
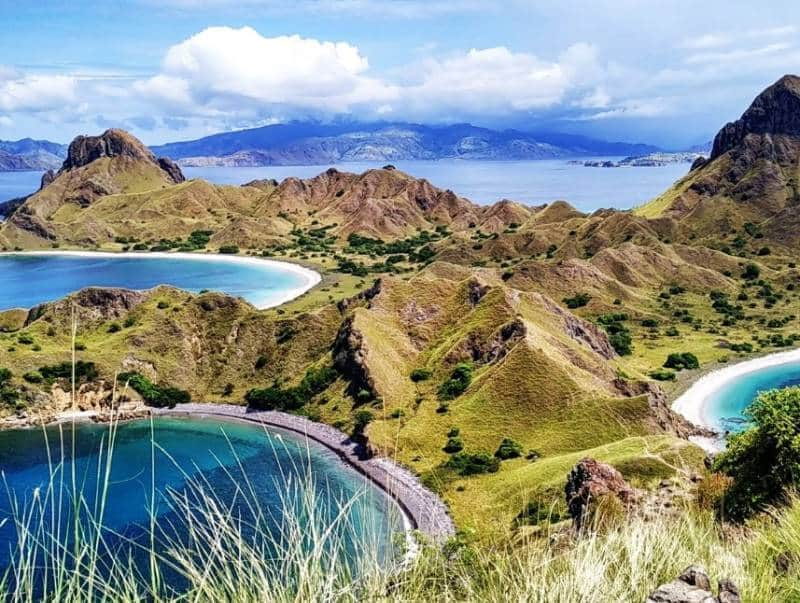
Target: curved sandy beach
x=422, y=509
x=692, y=403
x=310, y=277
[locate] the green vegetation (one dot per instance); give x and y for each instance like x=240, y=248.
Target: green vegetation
x=229, y=249
x=508, y=449
x=682, y=360
x=763, y=460
x=457, y=384
x=155, y=395
x=577, y=301
x=275, y=397
x=466, y=464
x=420, y=374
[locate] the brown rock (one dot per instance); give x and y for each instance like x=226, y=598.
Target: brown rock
x=590, y=480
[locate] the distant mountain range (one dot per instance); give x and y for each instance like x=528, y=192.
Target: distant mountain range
x=307, y=143
x=29, y=154
x=304, y=143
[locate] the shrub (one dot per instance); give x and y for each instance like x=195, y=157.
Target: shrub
x=229, y=249
x=275, y=397
x=360, y=421
x=751, y=272
x=662, y=375
x=261, y=362
x=129, y=322
x=5, y=376
x=162, y=305
x=508, y=449
x=114, y=327
x=458, y=382
x=25, y=338
x=84, y=371
x=650, y=323
x=454, y=444
x=682, y=360
x=763, y=460
x=465, y=464
x=420, y=374
x=153, y=394
x=33, y=377
x=577, y=301
x=453, y=432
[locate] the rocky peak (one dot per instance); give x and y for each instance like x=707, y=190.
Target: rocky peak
x=775, y=112
x=115, y=143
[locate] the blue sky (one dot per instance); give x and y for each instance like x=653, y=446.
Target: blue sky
x=670, y=74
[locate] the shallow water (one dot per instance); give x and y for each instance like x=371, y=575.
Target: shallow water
x=724, y=407
x=225, y=455
x=27, y=280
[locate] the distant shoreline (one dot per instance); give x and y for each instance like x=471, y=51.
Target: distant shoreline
x=692, y=404
x=311, y=277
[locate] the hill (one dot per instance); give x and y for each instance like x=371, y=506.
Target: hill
x=749, y=184
x=304, y=143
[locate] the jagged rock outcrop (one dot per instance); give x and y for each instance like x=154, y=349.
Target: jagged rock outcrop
x=92, y=303
x=349, y=358
x=774, y=112
x=694, y=586
x=590, y=481
x=475, y=348
x=83, y=150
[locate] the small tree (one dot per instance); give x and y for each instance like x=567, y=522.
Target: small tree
x=508, y=449
x=764, y=460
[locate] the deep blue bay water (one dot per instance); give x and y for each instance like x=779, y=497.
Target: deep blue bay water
x=30, y=279
x=224, y=455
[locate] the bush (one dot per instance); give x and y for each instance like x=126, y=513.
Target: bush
x=682, y=360
x=292, y=398
x=508, y=449
x=261, y=362
x=84, y=371
x=129, y=322
x=420, y=374
x=25, y=338
x=465, y=464
x=751, y=272
x=711, y=492
x=458, y=382
x=360, y=421
x=33, y=377
x=577, y=301
x=155, y=395
x=662, y=375
x=229, y=249
x=454, y=444
x=114, y=327
x=764, y=460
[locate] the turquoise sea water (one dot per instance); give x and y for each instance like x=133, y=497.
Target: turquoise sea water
x=723, y=409
x=27, y=280
x=220, y=453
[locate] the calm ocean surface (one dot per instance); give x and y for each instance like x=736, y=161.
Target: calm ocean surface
x=225, y=456
x=27, y=280
x=530, y=182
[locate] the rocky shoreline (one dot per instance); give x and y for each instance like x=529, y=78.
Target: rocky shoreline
x=425, y=511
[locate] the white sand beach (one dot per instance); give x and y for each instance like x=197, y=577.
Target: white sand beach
x=692, y=403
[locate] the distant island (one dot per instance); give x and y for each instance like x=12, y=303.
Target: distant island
x=658, y=159
x=312, y=143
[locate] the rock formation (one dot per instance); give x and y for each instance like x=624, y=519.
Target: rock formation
x=694, y=586
x=588, y=482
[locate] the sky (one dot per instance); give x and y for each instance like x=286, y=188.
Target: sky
x=668, y=73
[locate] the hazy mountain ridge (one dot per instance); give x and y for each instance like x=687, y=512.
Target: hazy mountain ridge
x=310, y=144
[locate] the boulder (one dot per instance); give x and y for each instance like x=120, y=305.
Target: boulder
x=591, y=480
x=694, y=586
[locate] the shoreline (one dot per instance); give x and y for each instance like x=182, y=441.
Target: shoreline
x=420, y=508
x=692, y=403
x=311, y=277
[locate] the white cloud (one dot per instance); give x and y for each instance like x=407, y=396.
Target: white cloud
x=706, y=41
x=32, y=93
x=222, y=68
x=6, y=121
x=738, y=54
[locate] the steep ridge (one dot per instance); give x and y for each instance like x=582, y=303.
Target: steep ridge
x=752, y=175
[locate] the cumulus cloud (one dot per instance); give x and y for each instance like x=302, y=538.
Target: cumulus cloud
x=33, y=93
x=223, y=68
